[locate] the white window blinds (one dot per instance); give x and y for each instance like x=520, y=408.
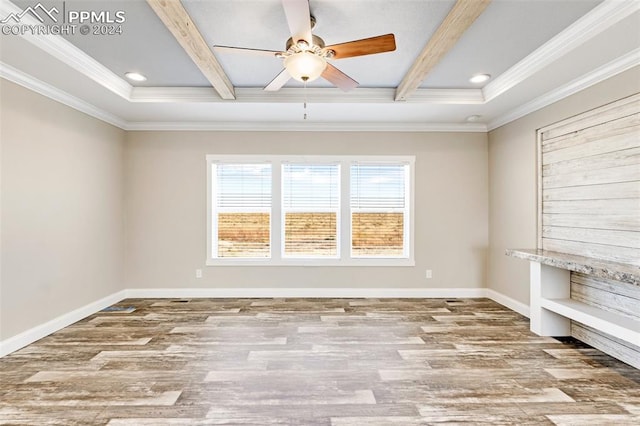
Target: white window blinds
x=338, y=210
x=378, y=187
x=379, y=210
x=243, y=210
x=310, y=203
x=309, y=187
x=243, y=186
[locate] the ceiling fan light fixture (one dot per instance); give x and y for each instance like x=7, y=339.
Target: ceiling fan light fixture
x=305, y=66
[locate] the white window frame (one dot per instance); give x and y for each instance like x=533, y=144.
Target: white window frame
x=344, y=217
x=290, y=210
x=212, y=243
x=407, y=227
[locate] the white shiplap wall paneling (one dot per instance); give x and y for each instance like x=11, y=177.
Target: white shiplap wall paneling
x=589, y=205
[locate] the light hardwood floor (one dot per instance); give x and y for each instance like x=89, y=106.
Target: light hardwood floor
x=341, y=362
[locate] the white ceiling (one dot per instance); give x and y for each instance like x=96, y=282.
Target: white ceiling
x=536, y=51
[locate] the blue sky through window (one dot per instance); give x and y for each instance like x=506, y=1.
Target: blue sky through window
x=377, y=186
x=309, y=186
x=243, y=185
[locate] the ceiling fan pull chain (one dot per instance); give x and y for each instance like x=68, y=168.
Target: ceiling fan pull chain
x=305, y=100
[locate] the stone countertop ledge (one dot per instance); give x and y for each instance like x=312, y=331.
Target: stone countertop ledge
x=587, y=265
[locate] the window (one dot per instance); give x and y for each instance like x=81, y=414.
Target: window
x=311, y=210
x=379, y=201
x=242, y=210
x=310, y=206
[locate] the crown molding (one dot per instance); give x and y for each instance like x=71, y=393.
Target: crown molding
x=27, y=81
x=617, y=66
x=602, y=17
x=446, y=96
x=70, y=55
x=175, y=94
x=621, y=64
x=16, y=76
x=63, y=50
x=315, y=95
x=307, y=127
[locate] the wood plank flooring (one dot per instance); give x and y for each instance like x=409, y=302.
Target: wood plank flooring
x=337, y=362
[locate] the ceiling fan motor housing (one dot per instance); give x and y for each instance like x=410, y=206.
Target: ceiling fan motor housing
x=316, y=42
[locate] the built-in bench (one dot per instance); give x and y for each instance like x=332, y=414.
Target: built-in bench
x=551, y=306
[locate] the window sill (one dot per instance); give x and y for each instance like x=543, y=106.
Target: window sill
x=313, y=262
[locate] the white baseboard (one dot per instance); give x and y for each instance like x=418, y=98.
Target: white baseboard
x=435, y=293
x=27, y=337
x=38, y=332
x=510, y=303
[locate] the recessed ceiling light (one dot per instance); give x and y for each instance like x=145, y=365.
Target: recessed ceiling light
x=135, y=76
x=473, y=118
x=479, y=78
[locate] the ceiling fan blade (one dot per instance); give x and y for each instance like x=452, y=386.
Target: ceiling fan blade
x=338, y=78
x=232, y=49
x=279, y=81
x=299, y=19
x=366, y=46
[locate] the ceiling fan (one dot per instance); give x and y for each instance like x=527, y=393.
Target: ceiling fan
x=305, y=55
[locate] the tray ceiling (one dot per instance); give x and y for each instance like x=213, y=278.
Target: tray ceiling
x=511, y=40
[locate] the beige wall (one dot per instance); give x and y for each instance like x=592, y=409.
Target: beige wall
x=61, y=208
x=166, y=209
x=87, y=209
x=512, y=180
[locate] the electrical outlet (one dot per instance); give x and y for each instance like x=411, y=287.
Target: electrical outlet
x=428, y=274
x=198, y=273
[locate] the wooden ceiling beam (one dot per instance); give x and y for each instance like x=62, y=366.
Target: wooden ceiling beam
x=459, y=19
x=174, y=16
